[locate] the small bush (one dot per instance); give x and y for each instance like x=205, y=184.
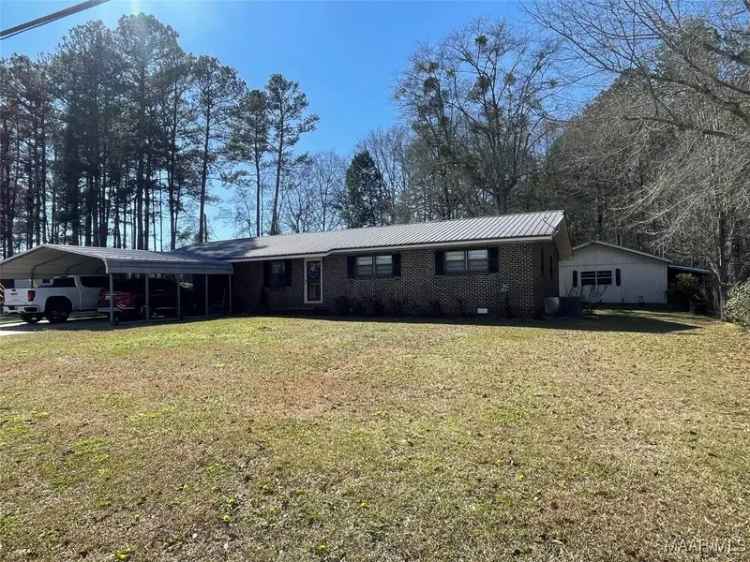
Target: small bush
x=738, y=304
x=436, y=308
x=376, y=308
x=461, y=307
x=508, y=306
x=342, y=306
x=686, y=292
x=395, y=307
x=358, y=307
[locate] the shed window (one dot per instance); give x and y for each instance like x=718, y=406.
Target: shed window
x=588, y=278
x=604, y=277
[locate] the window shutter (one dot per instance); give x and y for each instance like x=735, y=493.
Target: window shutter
x=439, y=263
x=288, y=272
x=541, y=258
x=618, y=277
x=396, y=265
x=493, y=260
x=350, y=266
x=575, y=278
x=266, y=273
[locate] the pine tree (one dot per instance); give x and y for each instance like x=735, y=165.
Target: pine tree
x=366, y=199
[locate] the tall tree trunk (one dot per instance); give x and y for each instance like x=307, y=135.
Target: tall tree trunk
x=203, y=225
x=279, y=168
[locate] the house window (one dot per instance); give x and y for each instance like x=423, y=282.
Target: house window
x=455, y=262
x=618, y=277
x=478, y=260
x=575, y=278
x=364, y=266
x=604, y=277
x=384, y=266
x=588, y=278
x=278, y=274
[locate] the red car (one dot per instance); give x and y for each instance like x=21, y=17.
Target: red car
x=130, y=298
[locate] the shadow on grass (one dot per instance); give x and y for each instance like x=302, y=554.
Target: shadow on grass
x=608, y=321
x=91, y=324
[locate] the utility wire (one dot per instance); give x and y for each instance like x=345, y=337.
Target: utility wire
x=13, y=31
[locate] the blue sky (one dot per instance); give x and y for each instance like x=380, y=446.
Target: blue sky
x=345, y=55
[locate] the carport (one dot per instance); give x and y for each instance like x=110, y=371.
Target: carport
x=53, y=260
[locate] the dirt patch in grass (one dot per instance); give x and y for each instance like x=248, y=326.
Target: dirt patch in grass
x=619, y=437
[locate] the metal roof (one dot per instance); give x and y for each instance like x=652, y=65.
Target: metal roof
x=620, y=248
x=540, y=225
x=52, y=260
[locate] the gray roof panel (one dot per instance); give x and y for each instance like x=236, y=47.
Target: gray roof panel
x=52, y=260
x=543, y=224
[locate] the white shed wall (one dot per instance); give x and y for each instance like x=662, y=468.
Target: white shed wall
x=643, y=279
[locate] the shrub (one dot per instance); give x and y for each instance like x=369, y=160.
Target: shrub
x=358, y=307
x=377, y=308
x=461, y=307
x=737, y=308
x=342, y=306
x=396, y=307
x=436, y=308
x=686, y=291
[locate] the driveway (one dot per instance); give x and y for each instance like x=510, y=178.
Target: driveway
x=19, y=328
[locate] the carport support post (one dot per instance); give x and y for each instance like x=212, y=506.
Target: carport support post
x=179, y=297
x=206, y=291
x=230, y=293
x=148, y=309
x=111, y=300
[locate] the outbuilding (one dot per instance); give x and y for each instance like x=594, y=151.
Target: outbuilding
x=600, y=272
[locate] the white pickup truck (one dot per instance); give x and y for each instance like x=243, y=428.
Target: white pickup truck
x=55, y=299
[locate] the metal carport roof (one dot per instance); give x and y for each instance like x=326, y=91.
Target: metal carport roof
x=51, y=260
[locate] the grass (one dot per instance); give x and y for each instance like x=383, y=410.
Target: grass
x=624, y=436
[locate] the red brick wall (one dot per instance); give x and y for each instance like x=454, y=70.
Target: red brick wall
x=519, y=284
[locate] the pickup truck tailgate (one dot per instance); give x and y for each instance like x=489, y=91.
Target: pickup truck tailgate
x=16, y=297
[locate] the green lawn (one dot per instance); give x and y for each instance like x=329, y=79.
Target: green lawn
x=625, y=436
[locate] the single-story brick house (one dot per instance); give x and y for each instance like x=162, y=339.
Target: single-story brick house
x=499, y=265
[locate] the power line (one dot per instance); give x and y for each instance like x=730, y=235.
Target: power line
x=12, y=31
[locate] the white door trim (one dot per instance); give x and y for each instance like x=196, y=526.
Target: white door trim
x=308, y=301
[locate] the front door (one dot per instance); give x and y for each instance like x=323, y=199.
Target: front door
x=313, y=281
